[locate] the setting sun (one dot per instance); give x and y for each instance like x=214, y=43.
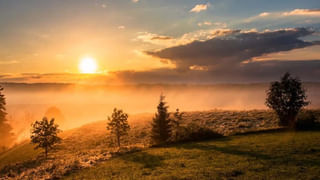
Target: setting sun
x=88, y=65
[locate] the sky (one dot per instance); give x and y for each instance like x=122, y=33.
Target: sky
x=159, y=41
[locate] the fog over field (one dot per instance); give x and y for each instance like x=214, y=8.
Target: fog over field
x=75, y=105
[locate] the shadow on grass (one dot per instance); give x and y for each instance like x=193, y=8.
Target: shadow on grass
x=285, y=158
x=266, y=131
x=144, y=158
x=233, y=150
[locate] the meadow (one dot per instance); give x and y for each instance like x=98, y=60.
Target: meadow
x=252, y=145
x=266, y=155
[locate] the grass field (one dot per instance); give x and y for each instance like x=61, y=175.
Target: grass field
x=15, y=154
x=85, y=152
x=272, y=155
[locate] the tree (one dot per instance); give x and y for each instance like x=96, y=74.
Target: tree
x=118, y=124
x=6, y=136
x=286, y=98
x=160, y=132
x=44, y=133
x=175, y=124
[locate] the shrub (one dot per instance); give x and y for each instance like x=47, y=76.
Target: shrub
x=306, y=120
x=286, y=98
x=194, y=132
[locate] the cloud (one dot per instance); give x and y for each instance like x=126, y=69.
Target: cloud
x=135, y=1
x=161, y=38
x=199, y=7
x=121, y=27
x=234, y=48
x=205, y=23
x=167, y=41
x=284, y=15
x=264, y=14
x=302, y=12
x=9, y=62
x=104, y=6
x=250, y=72
x=261, y=71
x=216, y=24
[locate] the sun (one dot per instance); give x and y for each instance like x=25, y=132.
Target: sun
x=88, y=65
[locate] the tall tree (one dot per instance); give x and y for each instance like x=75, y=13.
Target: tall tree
x=160, y=132
x=6, y=136
x=286, y=98
x=118, y=124
x=44, y=133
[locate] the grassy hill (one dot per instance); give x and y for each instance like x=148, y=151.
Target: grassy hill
x=88, y=153
x=275, y=155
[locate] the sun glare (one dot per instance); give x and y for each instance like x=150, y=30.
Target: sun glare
x=88, y=65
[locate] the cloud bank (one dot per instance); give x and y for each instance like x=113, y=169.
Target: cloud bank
x=233, y=49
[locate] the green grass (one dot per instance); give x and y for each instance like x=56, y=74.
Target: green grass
x=21, y=153
x=274, y=155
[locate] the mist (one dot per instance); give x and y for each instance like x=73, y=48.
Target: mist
x=75, y=105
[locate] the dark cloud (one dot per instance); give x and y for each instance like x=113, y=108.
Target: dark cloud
x=235, y=48
x=262, y=71
x=243, y=73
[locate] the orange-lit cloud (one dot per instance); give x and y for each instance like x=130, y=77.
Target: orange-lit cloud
x=302, y=12
x=281, y=15
x=166, y=41
x=199, y=7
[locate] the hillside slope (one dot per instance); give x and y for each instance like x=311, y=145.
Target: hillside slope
x=91, y=144
x=275, y=155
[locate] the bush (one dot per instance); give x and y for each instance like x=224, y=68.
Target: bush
x=194, y=132
x=286, y=98
x=306, y=120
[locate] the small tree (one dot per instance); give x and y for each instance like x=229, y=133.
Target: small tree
x=176, y=125
x=118, y=124
x=160, y=132
x=44, y=133
x=5, y=129
x=286, y=98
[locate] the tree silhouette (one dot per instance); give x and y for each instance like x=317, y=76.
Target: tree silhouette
x=286, y=98
x=118, y=124
x=175, y=125
x=160, y=132
x=44, y=133
x=6, y=137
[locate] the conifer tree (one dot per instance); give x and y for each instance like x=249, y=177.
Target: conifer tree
x=176, y=126
x=6, y=136
x=160, y=132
